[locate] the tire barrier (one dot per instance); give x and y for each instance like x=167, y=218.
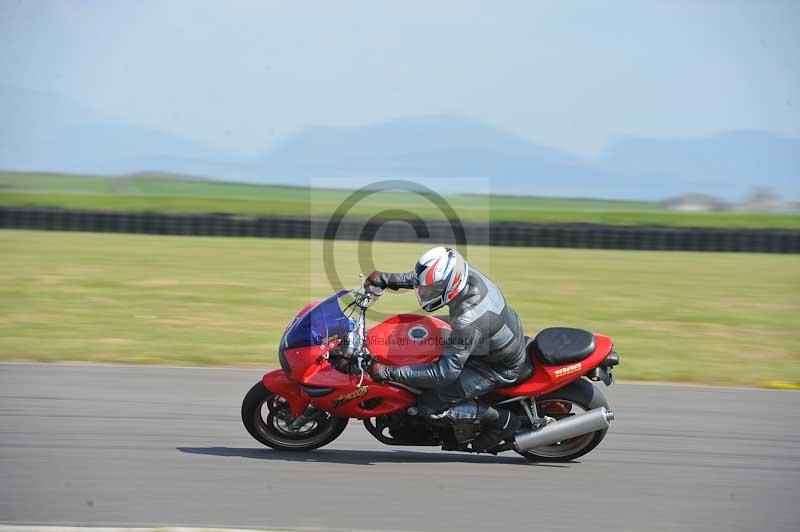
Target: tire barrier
x=495, y=234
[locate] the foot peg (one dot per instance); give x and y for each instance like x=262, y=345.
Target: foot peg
x=544, y=421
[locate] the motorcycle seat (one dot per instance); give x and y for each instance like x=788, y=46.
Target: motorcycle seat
x=556, y=346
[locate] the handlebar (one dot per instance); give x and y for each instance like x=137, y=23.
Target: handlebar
x=366, y=298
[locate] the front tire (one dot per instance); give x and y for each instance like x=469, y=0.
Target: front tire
x=580, y=395
x=267, y=417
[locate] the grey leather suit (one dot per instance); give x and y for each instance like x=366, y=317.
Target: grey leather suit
x=485, y=350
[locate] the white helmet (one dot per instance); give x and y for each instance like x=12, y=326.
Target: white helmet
x=441, y=275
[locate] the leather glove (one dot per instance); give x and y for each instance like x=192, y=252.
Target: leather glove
x=378, y=372
x=374, y=279
x=374, y=285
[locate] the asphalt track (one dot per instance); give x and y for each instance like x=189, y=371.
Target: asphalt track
x=140, y=446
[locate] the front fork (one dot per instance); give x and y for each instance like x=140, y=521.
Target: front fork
x=308, y=415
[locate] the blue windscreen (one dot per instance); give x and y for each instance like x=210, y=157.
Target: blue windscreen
x=322, y=322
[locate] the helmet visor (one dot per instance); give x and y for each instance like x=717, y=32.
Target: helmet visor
x=429, y=295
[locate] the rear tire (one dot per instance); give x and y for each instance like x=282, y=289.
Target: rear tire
x=583, y=394
x=266, y=417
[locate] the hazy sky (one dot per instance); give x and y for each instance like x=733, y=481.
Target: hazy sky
x=574, y=75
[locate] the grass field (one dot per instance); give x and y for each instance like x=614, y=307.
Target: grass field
x=692, y=317
x=176, y=195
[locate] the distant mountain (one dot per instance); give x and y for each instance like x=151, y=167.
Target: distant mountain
x=42, y=131
x=447, y=146
x=430, y=146
x=729, y=164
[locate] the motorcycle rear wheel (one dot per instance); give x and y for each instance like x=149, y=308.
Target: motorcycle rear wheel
x=266, y=417
x=559, y=404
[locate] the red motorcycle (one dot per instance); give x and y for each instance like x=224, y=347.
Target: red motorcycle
x=326, y=350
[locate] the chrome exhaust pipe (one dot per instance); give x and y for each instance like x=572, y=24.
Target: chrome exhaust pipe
x=563, y=429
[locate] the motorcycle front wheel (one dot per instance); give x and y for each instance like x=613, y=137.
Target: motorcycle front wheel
x=268, y=419
x=575, y=398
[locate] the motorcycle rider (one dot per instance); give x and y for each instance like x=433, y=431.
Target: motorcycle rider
x=486, y=348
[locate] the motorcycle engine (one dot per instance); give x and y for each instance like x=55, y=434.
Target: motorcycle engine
x=411, y=429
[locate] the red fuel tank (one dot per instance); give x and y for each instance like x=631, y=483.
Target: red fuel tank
x=406, y=339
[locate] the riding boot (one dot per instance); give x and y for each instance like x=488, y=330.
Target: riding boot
x=497, y=425
x=462, y=418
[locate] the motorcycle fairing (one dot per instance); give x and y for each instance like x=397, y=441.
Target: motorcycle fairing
x=403, y=339
x=546, y=378
x=278, y=383
x=320, y=328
